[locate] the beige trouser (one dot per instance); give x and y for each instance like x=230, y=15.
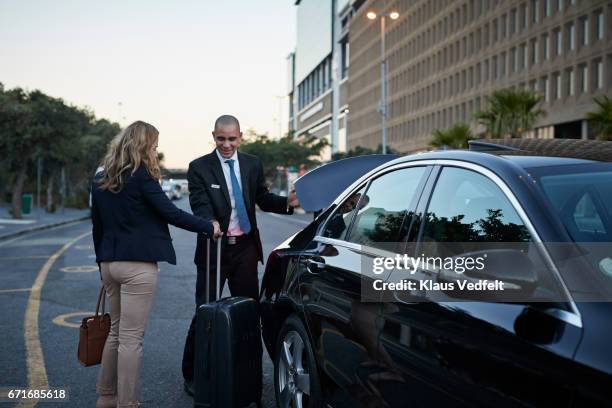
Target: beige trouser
x=130, y=287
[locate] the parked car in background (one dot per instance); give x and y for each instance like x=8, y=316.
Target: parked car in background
x=183, y=184
x=330, y=348
x=172, y=189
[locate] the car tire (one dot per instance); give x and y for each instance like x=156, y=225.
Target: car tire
x=296, y=379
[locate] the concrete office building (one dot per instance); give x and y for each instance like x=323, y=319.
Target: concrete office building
x=317, y=72
x=445, y=56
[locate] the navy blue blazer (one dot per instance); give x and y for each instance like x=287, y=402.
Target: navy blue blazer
x=132, y=225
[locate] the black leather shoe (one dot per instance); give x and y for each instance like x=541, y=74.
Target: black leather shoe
x=188, y=387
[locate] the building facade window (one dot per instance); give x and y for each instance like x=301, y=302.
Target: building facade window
x=559, y=5
x=584, y=24
x=558, y=42
x=546, y=89
x=558, y=87
x=547, y=8
x=546, y=46
x=571, y=82
x=534, y=51
x=345, y=59
x=599, y=74
x=584, y=78
x=599, y=22
x=571, y=36
x=535, y=11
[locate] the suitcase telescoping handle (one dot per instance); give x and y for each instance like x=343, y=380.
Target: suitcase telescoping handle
x=218, y=287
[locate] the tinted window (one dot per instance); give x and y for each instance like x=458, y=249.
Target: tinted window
x=468, y=207
x=583, y=201
x=338, y=223
x=384, y=208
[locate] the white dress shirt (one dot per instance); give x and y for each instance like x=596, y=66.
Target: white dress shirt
x=234, y=226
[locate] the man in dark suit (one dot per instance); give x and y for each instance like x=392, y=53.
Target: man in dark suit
x=225, y=185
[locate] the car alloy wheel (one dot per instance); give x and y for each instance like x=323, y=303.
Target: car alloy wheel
x=297, y=380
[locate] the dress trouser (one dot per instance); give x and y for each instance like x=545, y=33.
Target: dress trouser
x=130, y=287
x=239, y=268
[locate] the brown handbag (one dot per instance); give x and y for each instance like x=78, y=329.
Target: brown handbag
x=93, y=333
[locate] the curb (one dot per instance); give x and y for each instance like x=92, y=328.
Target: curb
x=41, y=228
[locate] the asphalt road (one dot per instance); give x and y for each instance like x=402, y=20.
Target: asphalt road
x=44, y=293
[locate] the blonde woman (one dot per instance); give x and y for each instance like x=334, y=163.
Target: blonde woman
x=130, y=215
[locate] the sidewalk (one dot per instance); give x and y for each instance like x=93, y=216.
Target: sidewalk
x=36, y=220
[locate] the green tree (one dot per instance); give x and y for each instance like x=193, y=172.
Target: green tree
x=285, y=152
x=601, y=119
x=510, y=113
x=455, y=137
x=36, y=126
x=92, y=145
x=16, y=140
x=59, y=129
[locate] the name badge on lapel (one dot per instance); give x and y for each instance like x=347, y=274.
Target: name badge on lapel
x=215, y=186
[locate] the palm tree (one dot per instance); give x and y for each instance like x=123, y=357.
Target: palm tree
x=601, y=119
x=455, y=137
x=511, y=112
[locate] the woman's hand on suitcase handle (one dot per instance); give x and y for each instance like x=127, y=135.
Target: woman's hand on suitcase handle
x=217, y=233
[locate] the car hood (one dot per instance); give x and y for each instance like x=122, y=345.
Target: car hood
x=318, y=188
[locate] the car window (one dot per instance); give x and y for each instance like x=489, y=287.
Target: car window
x=583, y=203
x=338, y=223
x=383, y=209
x=468, y=213
x=586, y=217
x=468, y=207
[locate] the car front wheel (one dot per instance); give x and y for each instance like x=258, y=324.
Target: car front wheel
x=296, y=380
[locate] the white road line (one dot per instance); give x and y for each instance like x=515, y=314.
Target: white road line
x=15, y=290
x=19, y=258
x=29, y=234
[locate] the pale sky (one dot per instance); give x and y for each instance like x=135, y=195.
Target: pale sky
x=177, y=64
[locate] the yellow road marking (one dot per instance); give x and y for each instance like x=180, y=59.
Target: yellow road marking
x=15, y=290
x=37, y=373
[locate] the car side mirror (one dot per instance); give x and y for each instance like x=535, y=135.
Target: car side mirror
x=511, y=266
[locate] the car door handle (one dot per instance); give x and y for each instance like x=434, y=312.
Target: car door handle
x=315, y=265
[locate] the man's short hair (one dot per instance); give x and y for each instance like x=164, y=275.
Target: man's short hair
x=226, y=120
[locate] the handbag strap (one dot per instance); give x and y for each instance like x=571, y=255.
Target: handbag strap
x=101, y=298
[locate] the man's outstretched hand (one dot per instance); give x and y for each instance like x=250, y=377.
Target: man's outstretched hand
x=292, y=200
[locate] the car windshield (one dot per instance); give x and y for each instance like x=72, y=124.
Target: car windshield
x=582, y=197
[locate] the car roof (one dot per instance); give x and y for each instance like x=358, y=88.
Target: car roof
x=324, y=185
x=543, y=161
x=495, y=159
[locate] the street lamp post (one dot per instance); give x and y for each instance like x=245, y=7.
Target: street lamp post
x=382, y=107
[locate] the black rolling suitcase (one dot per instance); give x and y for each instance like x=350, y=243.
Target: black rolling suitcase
x=228, y=349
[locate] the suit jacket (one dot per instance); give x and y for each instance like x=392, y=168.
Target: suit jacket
x=132, y=225
x=214, y=203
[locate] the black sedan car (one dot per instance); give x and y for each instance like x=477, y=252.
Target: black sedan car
x=332, y=347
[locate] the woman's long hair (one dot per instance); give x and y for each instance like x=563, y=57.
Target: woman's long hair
x=132, y=147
